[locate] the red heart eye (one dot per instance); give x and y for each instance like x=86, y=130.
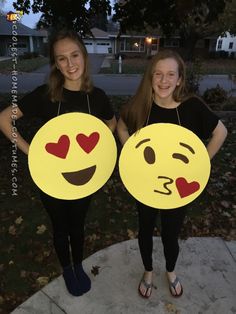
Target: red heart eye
x=59, y=149
x=87, y=143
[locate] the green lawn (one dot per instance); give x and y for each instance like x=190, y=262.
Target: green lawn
x=218, y=66
x=28, y=259
x=23, y=65
x=209, y=66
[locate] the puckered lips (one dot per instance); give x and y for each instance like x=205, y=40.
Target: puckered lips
x=80, y=177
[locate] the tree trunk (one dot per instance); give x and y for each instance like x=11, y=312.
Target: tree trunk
x=189, y=43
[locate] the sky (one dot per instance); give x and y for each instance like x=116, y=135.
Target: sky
x=29, y=20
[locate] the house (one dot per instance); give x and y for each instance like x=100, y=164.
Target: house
x=28, y=40
x=109, y=42
x=133, y=43
x=227, y=43
x=100, y=42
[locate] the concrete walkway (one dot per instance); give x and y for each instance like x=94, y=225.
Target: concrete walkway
x=206, y=267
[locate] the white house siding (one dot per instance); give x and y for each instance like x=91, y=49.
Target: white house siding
x=97, y=45
x=227, y=43
x=89, y=44
x=102, y=46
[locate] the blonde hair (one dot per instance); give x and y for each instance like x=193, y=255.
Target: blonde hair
x=56, y=79
x=136, y=111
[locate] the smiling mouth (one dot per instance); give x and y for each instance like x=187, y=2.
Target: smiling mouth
x=164, y=87
x=80, y=177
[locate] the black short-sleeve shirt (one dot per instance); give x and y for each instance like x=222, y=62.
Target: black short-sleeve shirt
x=193, y=115
x=38, y=104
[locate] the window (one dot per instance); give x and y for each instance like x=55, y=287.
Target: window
x=132, y=44
x=154, y=44
x=231, y=45
x=103, y=44
x=88, y=44
x=219, y=46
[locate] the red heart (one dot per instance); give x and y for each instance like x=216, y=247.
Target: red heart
x=59, y=149
x=87, y=143
x=184, y=188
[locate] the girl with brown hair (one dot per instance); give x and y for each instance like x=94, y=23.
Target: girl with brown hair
x=69, y=90
x=161, y=98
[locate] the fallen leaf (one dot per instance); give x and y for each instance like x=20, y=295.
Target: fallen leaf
x=46, y=253
x=12, y=230
x=226, y=214
x=91, y=238
x=18, y=220
x=41, y=229
x=225, y=204
x=23, y=274
x=42, y=281
x=131, y=234
x=171, y=308
x=95, y=270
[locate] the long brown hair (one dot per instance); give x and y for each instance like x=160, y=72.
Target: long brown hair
x=136, y=111
x=56, y=79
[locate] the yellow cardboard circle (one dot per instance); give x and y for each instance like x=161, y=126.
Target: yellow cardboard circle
x=72, y=156
x=164, y=166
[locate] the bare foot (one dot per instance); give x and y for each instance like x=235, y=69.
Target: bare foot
x=176, y=288
x=145, y=286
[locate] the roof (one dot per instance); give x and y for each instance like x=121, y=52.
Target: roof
x=22, y=30
x=98, y=33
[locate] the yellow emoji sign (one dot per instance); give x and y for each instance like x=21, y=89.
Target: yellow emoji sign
x=164, y=166
x=72, y=156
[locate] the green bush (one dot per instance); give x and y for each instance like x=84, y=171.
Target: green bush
x=230, y=104
x=215, y=95
x=193, y=76
x=220, y=54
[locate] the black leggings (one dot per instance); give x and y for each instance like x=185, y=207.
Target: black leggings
x=67, y=217
x=171, y=223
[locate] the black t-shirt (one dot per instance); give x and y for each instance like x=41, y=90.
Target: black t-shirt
x=193, y=115
x=38, y=104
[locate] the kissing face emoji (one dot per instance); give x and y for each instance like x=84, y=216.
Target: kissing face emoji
x=72, y=156
x=164, y=166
